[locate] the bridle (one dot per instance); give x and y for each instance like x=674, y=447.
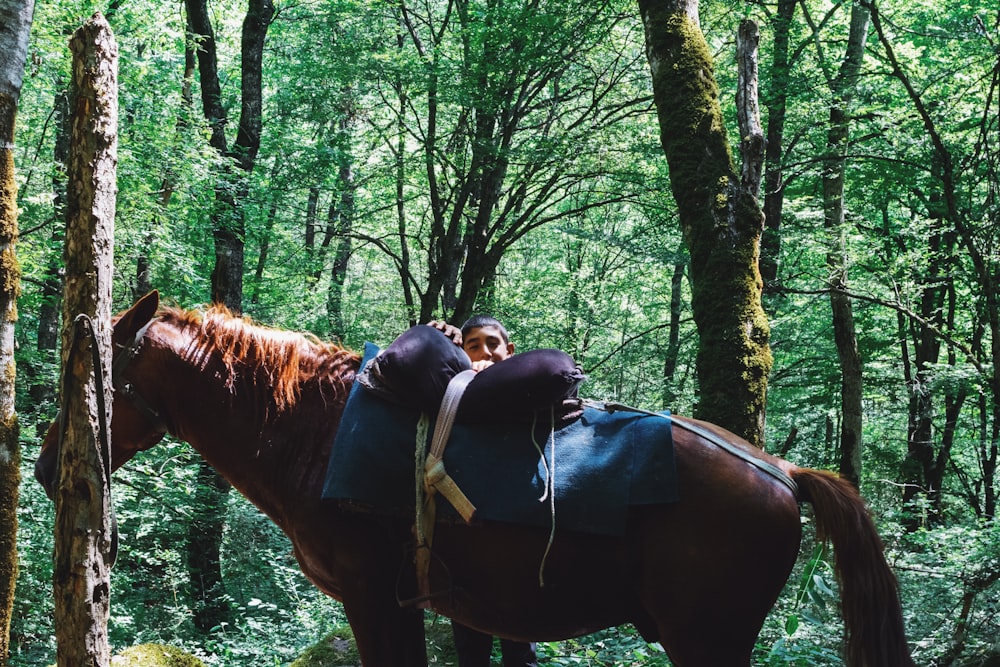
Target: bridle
x=126, y=388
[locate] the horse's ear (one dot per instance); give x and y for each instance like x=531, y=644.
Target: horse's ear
x=138, y=315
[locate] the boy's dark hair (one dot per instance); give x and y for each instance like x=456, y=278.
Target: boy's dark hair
x=477, y=321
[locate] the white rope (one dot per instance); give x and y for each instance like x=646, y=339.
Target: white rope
x=550, y=485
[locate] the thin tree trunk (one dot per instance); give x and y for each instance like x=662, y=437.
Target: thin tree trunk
x=204, y=557
x=15, y=17
x=674, y=338
x=341, y=218
x=720, y=220
x=83, y=500
x=980, y=259
x=312, y=205
x=920, y=465
x=774, y=175
x=402, y=136
x=48, y=317
x=265, y=248
x=845, y=337
x=205, y=531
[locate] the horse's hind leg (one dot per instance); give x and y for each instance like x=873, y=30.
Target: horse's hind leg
x=709, y=580
x=711, y=610
x=698, y=644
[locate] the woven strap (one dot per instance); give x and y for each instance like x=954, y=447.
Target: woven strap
x=437, y=480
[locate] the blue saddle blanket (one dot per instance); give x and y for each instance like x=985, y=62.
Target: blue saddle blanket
x=598, y=465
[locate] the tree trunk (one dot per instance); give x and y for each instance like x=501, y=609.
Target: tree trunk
x=341, y=221
x=674, y=337
x=919, y=466
x=845, y=337
x=720, y=220
x=980, y=256
x=483, y=203
x=206, y=527
x=265, y=248
x=204, y=556
x=15, y=19
x=399, y=169
x=774, y=175
x=83, y=499
x=48, y=317
x=205, y=531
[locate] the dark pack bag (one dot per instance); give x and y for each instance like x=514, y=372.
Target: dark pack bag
x=416, y=368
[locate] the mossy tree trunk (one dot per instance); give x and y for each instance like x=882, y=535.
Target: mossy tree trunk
x=15, y=26
x=83, y=501
x=720, y=219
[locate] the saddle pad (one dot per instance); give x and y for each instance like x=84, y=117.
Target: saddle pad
x=603, y=463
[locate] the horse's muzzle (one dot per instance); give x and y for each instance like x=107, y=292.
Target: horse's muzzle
x=46, y=471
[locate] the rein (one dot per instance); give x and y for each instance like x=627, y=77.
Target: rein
x=83, y=327
x=772, y=470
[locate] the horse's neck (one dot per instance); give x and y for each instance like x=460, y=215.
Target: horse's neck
x=274, y=460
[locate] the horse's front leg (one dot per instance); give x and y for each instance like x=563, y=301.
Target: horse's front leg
x=387, y=635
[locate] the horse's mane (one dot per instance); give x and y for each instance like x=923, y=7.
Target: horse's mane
x=276, y=363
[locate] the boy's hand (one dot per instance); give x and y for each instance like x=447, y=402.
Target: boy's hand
x=482, y=364
x=452, y=332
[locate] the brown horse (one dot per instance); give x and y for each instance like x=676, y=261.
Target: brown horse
x=698, y=575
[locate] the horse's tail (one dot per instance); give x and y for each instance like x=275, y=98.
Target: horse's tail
x=873, y=617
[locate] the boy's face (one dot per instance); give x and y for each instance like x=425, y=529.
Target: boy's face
x=486, y=344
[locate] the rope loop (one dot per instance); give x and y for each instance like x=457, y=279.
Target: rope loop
x=83, y=328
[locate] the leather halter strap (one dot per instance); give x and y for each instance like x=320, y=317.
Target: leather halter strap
x=127, y=389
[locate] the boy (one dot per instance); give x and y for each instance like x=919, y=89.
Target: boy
x=482, y=337
x=486, y=342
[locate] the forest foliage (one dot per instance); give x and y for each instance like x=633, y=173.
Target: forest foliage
x=433, y=159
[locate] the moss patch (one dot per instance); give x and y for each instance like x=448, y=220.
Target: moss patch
x=10, y=484
x=338, y=649
x=154, y=655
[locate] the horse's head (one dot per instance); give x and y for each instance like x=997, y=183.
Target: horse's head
x=134, y=426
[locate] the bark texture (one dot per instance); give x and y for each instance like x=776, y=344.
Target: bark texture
x=83, y=501
x=720, y=220
x=15, y=26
